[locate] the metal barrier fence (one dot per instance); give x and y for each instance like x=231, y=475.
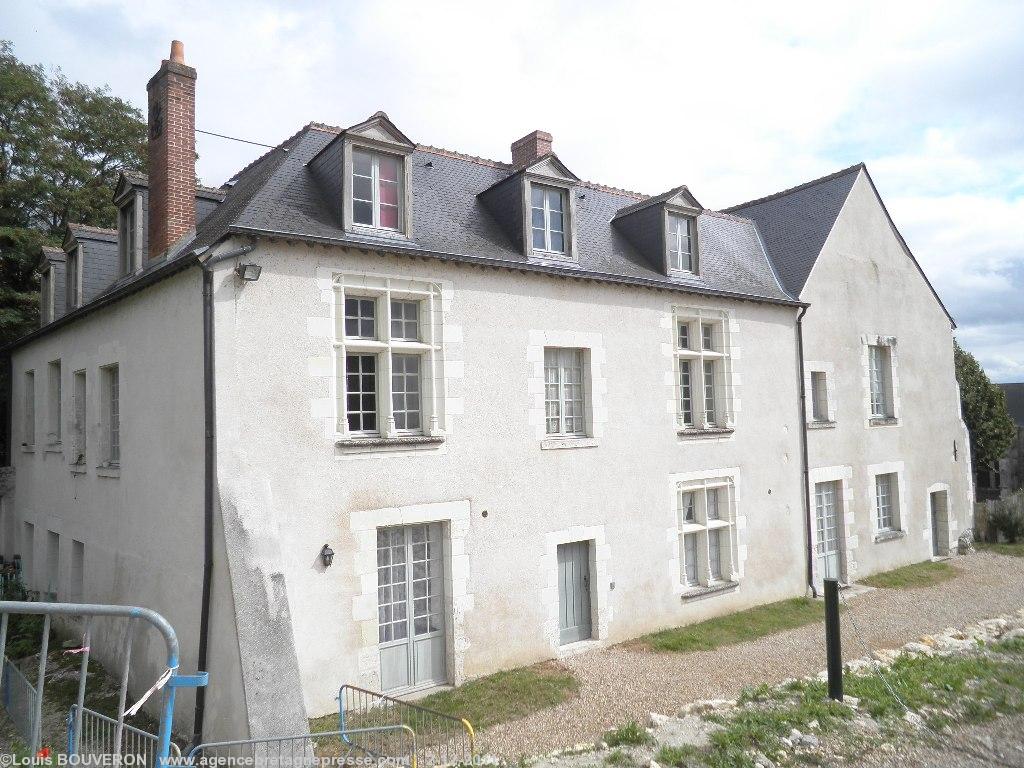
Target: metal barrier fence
x=440, y=739
x=97, y=734
x=18, y=696
x=170, y=681
x=395, y=744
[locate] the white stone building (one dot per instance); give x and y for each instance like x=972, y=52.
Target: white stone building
x=528, y=414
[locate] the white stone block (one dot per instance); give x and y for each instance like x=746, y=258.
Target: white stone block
x=320, y=327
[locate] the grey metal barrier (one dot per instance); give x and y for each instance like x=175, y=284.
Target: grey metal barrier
x=93, y=733
x=18, y=698
x=440, y=739
x=390, y=744
x=170, y=682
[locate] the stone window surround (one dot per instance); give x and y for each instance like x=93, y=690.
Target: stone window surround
x=951, y=523
x=324, y=367
x=829, y=369
x=888, y=468
x=842, y=474
x=567, y=186
x=731, y=340
x=672, y=532
x=601, y=586
x=867, y=341
x=402, y=152
x=136, y=260
x=595, y=385
x=455, y=517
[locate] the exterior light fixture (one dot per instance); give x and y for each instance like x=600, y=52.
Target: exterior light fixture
x=327, y=555
x=249, y=272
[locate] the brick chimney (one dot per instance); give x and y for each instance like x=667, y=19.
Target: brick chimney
x=531, y=147
x=172, y=151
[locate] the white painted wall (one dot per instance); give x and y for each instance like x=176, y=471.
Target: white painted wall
x=865, y=286
x=291, y=490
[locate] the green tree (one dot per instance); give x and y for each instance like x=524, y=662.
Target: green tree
x=62, y=146
x=984, y=408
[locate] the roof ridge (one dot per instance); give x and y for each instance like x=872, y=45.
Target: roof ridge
x=836, y=174
x=91, y=228
x=145, y=176
x=289, y=140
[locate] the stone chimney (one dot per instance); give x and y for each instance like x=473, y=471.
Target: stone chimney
x=531, y=147
x=172, y=151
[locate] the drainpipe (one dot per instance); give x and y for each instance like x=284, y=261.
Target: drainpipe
x=803, y=449
x=209, y=414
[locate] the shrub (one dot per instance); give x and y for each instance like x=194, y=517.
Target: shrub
x=1007, y=517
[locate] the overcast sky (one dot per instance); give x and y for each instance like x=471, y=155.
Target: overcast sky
x=734, y=100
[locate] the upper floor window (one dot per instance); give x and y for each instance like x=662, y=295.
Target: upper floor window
x=80, y=414
x=376, y=189
x=679, y=239
x=547, y=212
x=707, y=535
x=127, y=238
x=112, y=414
x=819, y=396
x=880, y=379
x=74, y=278
x=565, y=399
x=53, y=433
x=46, y=296
x=703, y=370
x=29, y=433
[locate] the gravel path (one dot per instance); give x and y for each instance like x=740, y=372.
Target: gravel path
x=622, y=683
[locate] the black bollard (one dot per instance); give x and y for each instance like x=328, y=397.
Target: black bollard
x=833, y=647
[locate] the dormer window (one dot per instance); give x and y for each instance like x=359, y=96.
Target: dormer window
x=376, y=189
x=74, y=278
x=548, y=218
x=679, y=240
x=127, y=238
x=46, y=295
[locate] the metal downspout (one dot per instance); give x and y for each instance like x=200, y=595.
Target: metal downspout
x=210, y=448
x=804, y=454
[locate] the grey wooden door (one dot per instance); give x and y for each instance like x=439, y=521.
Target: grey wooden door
x=574, y=592
x=940, y=524
x=411, y=607
x=826, y=512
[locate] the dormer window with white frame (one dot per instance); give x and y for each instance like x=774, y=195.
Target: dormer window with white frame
x=680, y=239
x=703, y=370
x=388, y=359
x=547, y=219
x=46, y=294
x=377, y=182
x=74, y=278
x=129, y=236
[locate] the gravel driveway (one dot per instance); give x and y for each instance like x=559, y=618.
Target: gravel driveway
x=622, y=683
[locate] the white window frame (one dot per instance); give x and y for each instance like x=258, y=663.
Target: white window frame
x=80, y=415
x=46, y=295
x=695, y=493
x=718, y=358
x=112, y=395
x=129, y=240
x=887, y=502
x=546, y=190
x=565, y=187
x=375, y=204
x=54, y=398
x=562, y=359
x=898, y=500
x=672, y=234
x=74, y=278
x=881, y=395
x=29, y=422
x=384, y=290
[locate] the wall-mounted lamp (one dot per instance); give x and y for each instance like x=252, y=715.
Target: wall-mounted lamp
x=249, y=272
x=327, y=555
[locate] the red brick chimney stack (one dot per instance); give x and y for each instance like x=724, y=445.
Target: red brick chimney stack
x=531, y=147
x=172, y=151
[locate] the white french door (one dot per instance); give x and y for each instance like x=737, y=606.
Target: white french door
x=827, y=512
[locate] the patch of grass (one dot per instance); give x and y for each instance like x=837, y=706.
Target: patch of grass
x=507, y=695
x=619, y=758
x=680, y=757
x=1013, y=550
x=631, y=734
x=913, y=576
x=737, y=627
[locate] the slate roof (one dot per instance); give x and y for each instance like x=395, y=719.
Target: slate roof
x=795, y=223
x=1015, y=401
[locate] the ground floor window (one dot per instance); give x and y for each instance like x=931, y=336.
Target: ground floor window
x=707, y=531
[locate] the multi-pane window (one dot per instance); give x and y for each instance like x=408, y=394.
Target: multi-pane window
x=680, y=242
x=819, y=396
x=880, y=378
x=388, y=351
x=564, y=395
x=74, y=278
x=706, y=531
x=30, y=408
x=887, y=504
x=392, y=592
x=112, y=413
x=79, y=394
x=126, y=238
x=46, y=295
x=547, y=211
x=376, y=189
x=703, y=370
x=53, y=434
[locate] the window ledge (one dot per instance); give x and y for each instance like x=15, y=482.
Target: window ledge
x=694, y=432
x=889, y=536
x=54, y=448
x=77, y=469
x=405, y=441
x=821, y=425
x=557, y=443
x=883, y=421
x=28, y=448
x=718, y=588
x=110, y=470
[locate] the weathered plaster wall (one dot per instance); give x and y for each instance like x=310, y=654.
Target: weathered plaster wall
x=864, y=286
x=293, y=490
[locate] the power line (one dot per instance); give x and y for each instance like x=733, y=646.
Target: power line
x=232, y=138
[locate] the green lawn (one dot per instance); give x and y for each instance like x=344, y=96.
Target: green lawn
x=1014, y=550
x=913, y=576
x=737, y=627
